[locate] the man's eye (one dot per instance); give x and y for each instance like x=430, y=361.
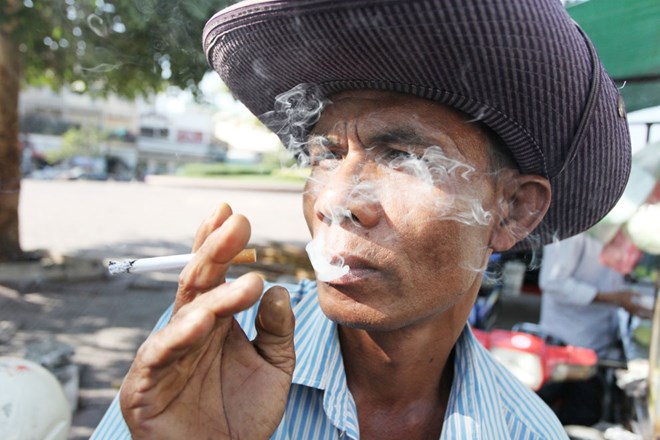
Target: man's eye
x=401, y=154
x=396, y=156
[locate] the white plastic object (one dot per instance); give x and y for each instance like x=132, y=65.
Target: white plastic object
x=32, y=402
x=525, y=366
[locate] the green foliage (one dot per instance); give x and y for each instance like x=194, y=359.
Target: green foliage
x=126, y=47
x=280, y=159
x=277, y=163
x=294, y=173
x=85, y=141
x=265, y=171
x=222, y=169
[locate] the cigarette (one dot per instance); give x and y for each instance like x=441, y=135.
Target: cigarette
x=170, y=262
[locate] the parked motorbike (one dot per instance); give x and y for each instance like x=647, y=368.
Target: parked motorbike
x=535, y=361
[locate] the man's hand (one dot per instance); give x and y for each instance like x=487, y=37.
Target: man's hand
x=200, y=377
x=628, y=300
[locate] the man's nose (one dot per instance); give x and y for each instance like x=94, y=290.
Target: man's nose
x=350, y=194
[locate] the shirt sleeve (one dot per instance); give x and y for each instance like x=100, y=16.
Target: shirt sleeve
x=113, y=427
x=559, y=263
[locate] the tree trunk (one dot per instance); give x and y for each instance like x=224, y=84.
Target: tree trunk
x=10, y=156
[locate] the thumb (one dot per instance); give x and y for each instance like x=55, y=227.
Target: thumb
x=275, y=324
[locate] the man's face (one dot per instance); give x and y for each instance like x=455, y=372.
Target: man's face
x=401, y=189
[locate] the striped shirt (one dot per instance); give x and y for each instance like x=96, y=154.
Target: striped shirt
x=486, y=401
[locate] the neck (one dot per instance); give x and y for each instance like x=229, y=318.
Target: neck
x=395, y=367
x=401, y=389
x=401, y=379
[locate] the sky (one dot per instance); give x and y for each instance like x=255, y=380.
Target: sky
x=638, y=130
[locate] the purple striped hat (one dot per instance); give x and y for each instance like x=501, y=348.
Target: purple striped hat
x=523, y=68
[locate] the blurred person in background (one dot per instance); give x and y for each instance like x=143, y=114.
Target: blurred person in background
x=580, y=300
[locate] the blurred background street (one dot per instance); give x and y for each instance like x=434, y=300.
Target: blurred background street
x=115, y=219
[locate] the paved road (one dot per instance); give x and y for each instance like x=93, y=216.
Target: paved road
x=105, y=218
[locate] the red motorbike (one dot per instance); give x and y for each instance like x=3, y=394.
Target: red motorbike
x=535, y=361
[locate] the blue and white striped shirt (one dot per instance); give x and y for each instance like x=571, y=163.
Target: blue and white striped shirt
x=486, y=401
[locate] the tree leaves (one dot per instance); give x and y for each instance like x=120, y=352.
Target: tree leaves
x=125, y=47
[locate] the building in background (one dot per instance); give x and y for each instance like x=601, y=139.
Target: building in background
x=139, y=137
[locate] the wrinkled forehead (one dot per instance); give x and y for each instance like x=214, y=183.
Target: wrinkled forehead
x=380, y=117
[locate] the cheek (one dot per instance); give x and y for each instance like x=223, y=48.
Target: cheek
x=448, y=247
x=441, y=251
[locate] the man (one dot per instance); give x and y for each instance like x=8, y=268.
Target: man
x=438, y=132
x=580, y=302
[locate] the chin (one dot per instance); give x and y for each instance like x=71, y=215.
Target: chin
x=363, y=323
x=349, y=313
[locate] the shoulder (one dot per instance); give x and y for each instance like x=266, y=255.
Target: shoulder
x=525, y=413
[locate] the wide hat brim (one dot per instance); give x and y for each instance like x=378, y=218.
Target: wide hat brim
x=525, y=69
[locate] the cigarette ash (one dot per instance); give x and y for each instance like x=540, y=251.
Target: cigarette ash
x=115, y=267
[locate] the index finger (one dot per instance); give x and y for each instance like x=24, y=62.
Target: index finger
x=209, y=265
x=221, y=213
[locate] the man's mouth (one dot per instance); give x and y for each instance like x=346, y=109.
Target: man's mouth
x=360, y=270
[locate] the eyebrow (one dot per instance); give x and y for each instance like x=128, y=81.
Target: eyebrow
x=393, y=136
x=398, y=136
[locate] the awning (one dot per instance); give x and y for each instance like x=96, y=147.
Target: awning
x=626, y=34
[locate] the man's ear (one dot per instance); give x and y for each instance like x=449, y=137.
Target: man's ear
x=525, y=200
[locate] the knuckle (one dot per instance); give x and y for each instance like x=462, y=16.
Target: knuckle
x=188, y=281
x=141, y=352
